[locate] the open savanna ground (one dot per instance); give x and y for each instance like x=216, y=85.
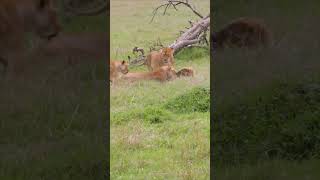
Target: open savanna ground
x=51, y=123
x=158, y=130
x=267, y=117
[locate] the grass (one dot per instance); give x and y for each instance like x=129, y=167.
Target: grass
x=277, y=170
x=158, y=131
x=267, y=115
x=53, y=130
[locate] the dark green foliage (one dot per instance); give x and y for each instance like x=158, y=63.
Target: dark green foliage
x=196, y=100
x=156, y=115
x=192, y=53
x=151, y=115
x=284, y=123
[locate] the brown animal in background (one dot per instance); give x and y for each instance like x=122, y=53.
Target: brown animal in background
x=117, y=70
x=164, y=73
x=186, y=71
x=157, y=59
x=242, y=32
x=77, y=46
x=18, y=17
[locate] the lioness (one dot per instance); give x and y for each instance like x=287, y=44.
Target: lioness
x=75, y=47
x=186, y=71
x=242, y=32
x=118, y=69
x=164, y=73
x=18, y=17
x=157, y=59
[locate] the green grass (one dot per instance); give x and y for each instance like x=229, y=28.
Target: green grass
x=272, y=170
x=158, y=131
x=267, y=116
x=54, y=130
x=279, y=123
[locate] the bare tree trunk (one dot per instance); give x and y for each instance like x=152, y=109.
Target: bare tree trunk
x=196, y=34
x=193, y=35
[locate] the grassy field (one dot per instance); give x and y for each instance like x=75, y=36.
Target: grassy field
x=54, y=129
x=158, y=131
x=267, y=117
x=275, y=170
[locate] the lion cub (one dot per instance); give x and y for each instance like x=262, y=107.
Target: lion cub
x=186, y=71
x=164, y=73
x=118, y=69
x=157, y=59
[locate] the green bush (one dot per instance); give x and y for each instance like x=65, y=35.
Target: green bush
x=156, y=115
x=122, y=117
x=149, y=114
x=283, y=123
x=191, y=54
x=196, y=100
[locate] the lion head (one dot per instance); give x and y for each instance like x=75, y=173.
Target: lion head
x=167, y=52
x=167, y=56
x=39, y=17
x=123, y=67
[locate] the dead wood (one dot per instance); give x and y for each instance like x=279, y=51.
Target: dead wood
x=193, y=36
x=196, y=33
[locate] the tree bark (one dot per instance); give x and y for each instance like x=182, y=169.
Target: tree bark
x=193, y=35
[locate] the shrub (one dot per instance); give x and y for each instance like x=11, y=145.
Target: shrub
x=156, y=115
x=196, y=100
x=283, y=123
x=151, y=114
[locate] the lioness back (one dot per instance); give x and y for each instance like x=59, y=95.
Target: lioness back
x=157, y=59
x=76, y=47
x=164, y=73
x=118, y=69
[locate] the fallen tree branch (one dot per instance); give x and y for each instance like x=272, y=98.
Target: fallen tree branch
x=136, y=49
x=138, y=61
x=196, y=46
x=174, y=4
x=196, y=34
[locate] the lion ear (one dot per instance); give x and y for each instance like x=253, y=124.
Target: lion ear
x=172, y=50
x=123, y=62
